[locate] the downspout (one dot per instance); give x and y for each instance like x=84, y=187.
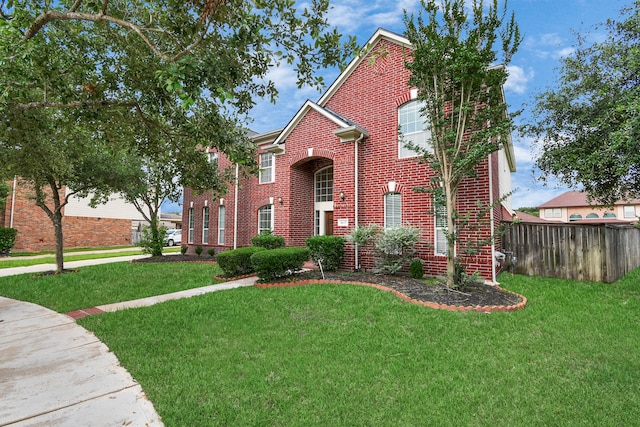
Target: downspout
x=235, y=212
x=493, y=242
x=355, y=174
x=13, y=200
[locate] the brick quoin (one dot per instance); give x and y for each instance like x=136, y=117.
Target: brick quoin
x=367, y=96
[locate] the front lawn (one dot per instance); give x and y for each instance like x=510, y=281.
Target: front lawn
x=107, y=283
x=352, y=356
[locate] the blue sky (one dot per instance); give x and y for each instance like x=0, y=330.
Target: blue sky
x=547, y=26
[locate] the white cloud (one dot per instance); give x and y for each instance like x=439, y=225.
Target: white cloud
x=563, y=53
x=518, y=79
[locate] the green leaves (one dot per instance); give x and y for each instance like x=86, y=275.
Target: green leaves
x=587, y=127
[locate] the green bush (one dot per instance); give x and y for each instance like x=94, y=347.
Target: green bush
x=395, y=247
x=237, y=262
x=268, y=240
x=198, y=250
x=416, y=270
x=329, y=250
x=211, y=252
x=279, y=262
x=184, y=249
x=7, y=240
x=152, y=243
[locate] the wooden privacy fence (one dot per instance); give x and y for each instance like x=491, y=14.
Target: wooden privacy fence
x=595, y=252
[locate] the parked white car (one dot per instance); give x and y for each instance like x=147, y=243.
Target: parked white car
x=173, y=237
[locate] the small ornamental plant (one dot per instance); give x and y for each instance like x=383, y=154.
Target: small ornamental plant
x=211, y=252
x=416, y=270
x=198, y=250
x=184, y=249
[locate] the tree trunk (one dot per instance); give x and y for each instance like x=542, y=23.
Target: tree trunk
x=450, y=201
x=156, y=238
x=57, y=227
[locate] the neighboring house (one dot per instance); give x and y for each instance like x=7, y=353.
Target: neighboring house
x=339, y=163
x=574, y=206
x=83, y=226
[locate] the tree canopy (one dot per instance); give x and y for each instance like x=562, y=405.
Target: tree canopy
x=151, y=83
x=454, y=67
x=588, y=126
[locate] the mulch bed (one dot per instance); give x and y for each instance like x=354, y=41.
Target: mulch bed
x=478, y=296
x=433, y=295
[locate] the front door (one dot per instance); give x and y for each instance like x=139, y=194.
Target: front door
x=328, y=223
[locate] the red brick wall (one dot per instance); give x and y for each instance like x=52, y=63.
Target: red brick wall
x=370, y=97
x=35, y=229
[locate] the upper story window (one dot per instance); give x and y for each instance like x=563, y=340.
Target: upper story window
x=267, y=168
x=265, y=218
x=629, y=211
x=324, y=185
x=213, y=158
x=553, y=213
x=414, y=128
x=392, y=210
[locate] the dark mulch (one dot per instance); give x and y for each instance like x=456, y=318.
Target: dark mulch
x=477, y=294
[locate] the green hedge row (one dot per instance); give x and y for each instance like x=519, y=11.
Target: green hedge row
x=279, y=262
x=328, y=250
x=237, y=262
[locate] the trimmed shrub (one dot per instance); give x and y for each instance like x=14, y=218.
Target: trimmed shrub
x=329, y=250
x=184, y=249
x=395, y=247
x=416, y=270
x=7, y=240
x=237, y=262
x=211, y=252
x=198, y=250
x=268, y=240
x=278, y=262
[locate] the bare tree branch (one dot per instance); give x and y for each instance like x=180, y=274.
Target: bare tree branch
x=52, y=15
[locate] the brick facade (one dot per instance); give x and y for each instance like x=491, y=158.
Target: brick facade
x=35, y=230
x=366, y=97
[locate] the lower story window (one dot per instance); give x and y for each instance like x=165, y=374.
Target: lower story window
x=205, y=225
x=221, y=221
x=265, y=218
x=440, y=243
x=192, y=223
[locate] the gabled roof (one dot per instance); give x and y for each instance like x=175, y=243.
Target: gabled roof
x=380, y=34
x=302, y=112
x=572, y=199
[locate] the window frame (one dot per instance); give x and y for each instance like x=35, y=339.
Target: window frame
x=553, y=212
x=262, y=179
x=221, y=223
x=625, y=210
x=327, y=193
x=391, y=202
x=191, y=229
x=440, y=243
x=213, y=158
x=264, y=209
x=205, y=225
x=418, y=137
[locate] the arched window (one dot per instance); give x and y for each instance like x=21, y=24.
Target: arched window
x=592, y=215
x=413, y=128
x=609, y=215
x=575, y=217
x=392, y=210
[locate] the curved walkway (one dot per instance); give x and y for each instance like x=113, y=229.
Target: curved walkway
x=54, y=372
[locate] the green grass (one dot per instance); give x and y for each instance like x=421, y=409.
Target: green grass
x=107, y=283
x=354, y=356
x=17, y=262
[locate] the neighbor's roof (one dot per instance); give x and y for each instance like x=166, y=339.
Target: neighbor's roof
x=579, y=198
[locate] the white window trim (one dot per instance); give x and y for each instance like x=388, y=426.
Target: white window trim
x=221, y=224
x=316, y=183
x=553, y=213
x=630, y=214
x=386, y=197
x=273, y=169
x=213, y=158
x=271, y=219
x=205, y=225
x=404, y=153
x=191, y=226
x=437, y=211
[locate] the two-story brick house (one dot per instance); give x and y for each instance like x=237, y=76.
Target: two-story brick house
x=340, y=163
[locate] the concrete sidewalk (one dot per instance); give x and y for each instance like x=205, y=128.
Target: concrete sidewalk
x=53, y=372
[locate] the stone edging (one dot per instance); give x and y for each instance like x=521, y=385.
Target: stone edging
x=479, y=309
